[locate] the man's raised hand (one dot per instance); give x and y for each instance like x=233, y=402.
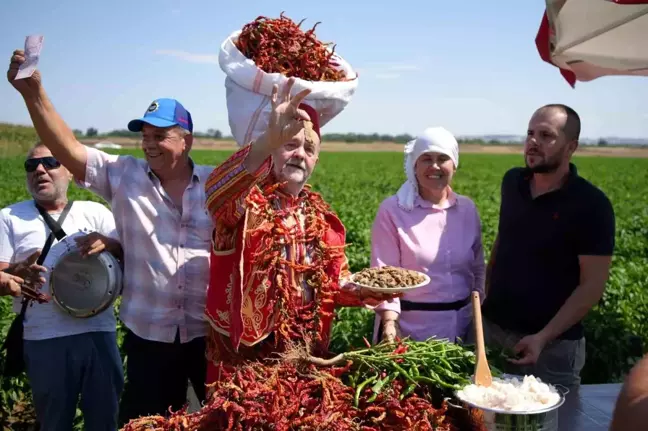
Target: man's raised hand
x=286, y=119
x=25, y=86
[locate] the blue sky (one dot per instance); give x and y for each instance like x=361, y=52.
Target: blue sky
x=470, y=66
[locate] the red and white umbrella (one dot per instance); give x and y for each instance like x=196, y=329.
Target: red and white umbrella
x=588, y=39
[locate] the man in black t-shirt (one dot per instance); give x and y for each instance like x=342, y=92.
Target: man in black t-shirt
x=551, y=258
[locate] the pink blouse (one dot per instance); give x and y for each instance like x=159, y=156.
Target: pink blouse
x=444, y=242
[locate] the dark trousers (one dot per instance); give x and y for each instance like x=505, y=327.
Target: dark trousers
x=62, y=369
x=559, y=363
x=157, y=376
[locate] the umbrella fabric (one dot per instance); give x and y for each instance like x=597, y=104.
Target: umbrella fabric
x=588, y=39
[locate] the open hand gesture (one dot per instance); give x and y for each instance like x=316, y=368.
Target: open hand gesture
x=29, y=271
x=285, y=118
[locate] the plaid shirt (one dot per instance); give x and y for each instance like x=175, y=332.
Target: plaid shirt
x=166, y=251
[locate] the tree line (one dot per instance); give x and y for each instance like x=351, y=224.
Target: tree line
x=331, y=137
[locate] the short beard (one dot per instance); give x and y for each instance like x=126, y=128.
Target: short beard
x=59, y=193
x=544, y=168
x=547, y=166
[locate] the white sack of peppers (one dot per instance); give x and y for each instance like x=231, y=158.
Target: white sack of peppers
x=249, y=87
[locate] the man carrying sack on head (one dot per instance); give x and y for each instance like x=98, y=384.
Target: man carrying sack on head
x=278, y=266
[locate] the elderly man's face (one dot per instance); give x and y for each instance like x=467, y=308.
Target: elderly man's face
x=295, y=161
x=164, y=147
x=46, y=183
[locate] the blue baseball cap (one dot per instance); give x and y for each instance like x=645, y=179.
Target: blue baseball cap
x=164, y=113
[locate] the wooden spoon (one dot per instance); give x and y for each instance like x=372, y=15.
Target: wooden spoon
x=483, y=376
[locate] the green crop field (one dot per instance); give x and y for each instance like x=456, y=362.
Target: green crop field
x=356, y=183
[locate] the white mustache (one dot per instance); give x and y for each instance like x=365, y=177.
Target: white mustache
x=298, y=165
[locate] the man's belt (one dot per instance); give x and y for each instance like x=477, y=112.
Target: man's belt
x=434, y=306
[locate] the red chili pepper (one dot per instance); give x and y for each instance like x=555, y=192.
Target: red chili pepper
x=367, y=343
x=280, y=46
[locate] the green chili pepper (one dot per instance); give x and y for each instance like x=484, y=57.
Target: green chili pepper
x=377, y=388
x=359, y=389
x=415, y=371
x=403, y=372
x=436, y=382
x=408, y=390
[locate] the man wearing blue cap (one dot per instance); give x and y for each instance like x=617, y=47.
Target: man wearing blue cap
x=159, y=207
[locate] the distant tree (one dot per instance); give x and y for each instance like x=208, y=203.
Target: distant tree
x=122, y=133
x=401, y=139
x=351, y=137
x=214, y=133
x=91, y=132
x=77, y=132
x=602, y=143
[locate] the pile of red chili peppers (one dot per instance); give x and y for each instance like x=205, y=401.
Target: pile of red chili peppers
x=285, y=396
x=281, y=46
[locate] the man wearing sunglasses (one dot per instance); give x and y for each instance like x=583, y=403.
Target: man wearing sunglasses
x=65, y=357
x=159, y=208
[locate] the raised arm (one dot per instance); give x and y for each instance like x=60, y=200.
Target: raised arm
x=229, y=184
x=50, y=127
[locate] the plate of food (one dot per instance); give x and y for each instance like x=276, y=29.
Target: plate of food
x=389, y=279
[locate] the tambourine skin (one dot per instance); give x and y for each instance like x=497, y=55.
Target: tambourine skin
x=84, y=287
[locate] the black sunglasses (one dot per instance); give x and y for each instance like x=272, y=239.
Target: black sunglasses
x=48, y=163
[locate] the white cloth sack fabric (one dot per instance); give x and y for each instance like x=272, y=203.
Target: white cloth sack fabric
x=433, y=139
x=248, y=91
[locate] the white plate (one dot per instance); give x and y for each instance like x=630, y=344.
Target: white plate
x=393, y=289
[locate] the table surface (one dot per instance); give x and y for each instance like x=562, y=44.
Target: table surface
x=589, y=408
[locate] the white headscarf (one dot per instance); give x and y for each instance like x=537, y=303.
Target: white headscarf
x=433, y=139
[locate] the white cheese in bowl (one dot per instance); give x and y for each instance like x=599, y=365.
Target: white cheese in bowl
x=511, y=394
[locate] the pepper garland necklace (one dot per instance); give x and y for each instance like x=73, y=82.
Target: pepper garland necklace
x=294, y=320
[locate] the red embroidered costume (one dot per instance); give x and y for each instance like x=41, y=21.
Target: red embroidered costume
x=277, y=266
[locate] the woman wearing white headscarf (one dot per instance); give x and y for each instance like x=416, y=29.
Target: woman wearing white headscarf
x=428, y=227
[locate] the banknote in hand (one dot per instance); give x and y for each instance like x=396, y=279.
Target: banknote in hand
x=33, y=46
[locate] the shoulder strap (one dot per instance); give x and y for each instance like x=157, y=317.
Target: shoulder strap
x=55, y=227
x=56, y=231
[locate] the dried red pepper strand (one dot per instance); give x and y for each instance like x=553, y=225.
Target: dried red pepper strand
x=283, y=39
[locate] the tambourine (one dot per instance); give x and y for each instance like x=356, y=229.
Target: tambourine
x=85, y=286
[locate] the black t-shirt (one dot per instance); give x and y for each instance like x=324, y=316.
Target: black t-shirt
x=536, y=264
